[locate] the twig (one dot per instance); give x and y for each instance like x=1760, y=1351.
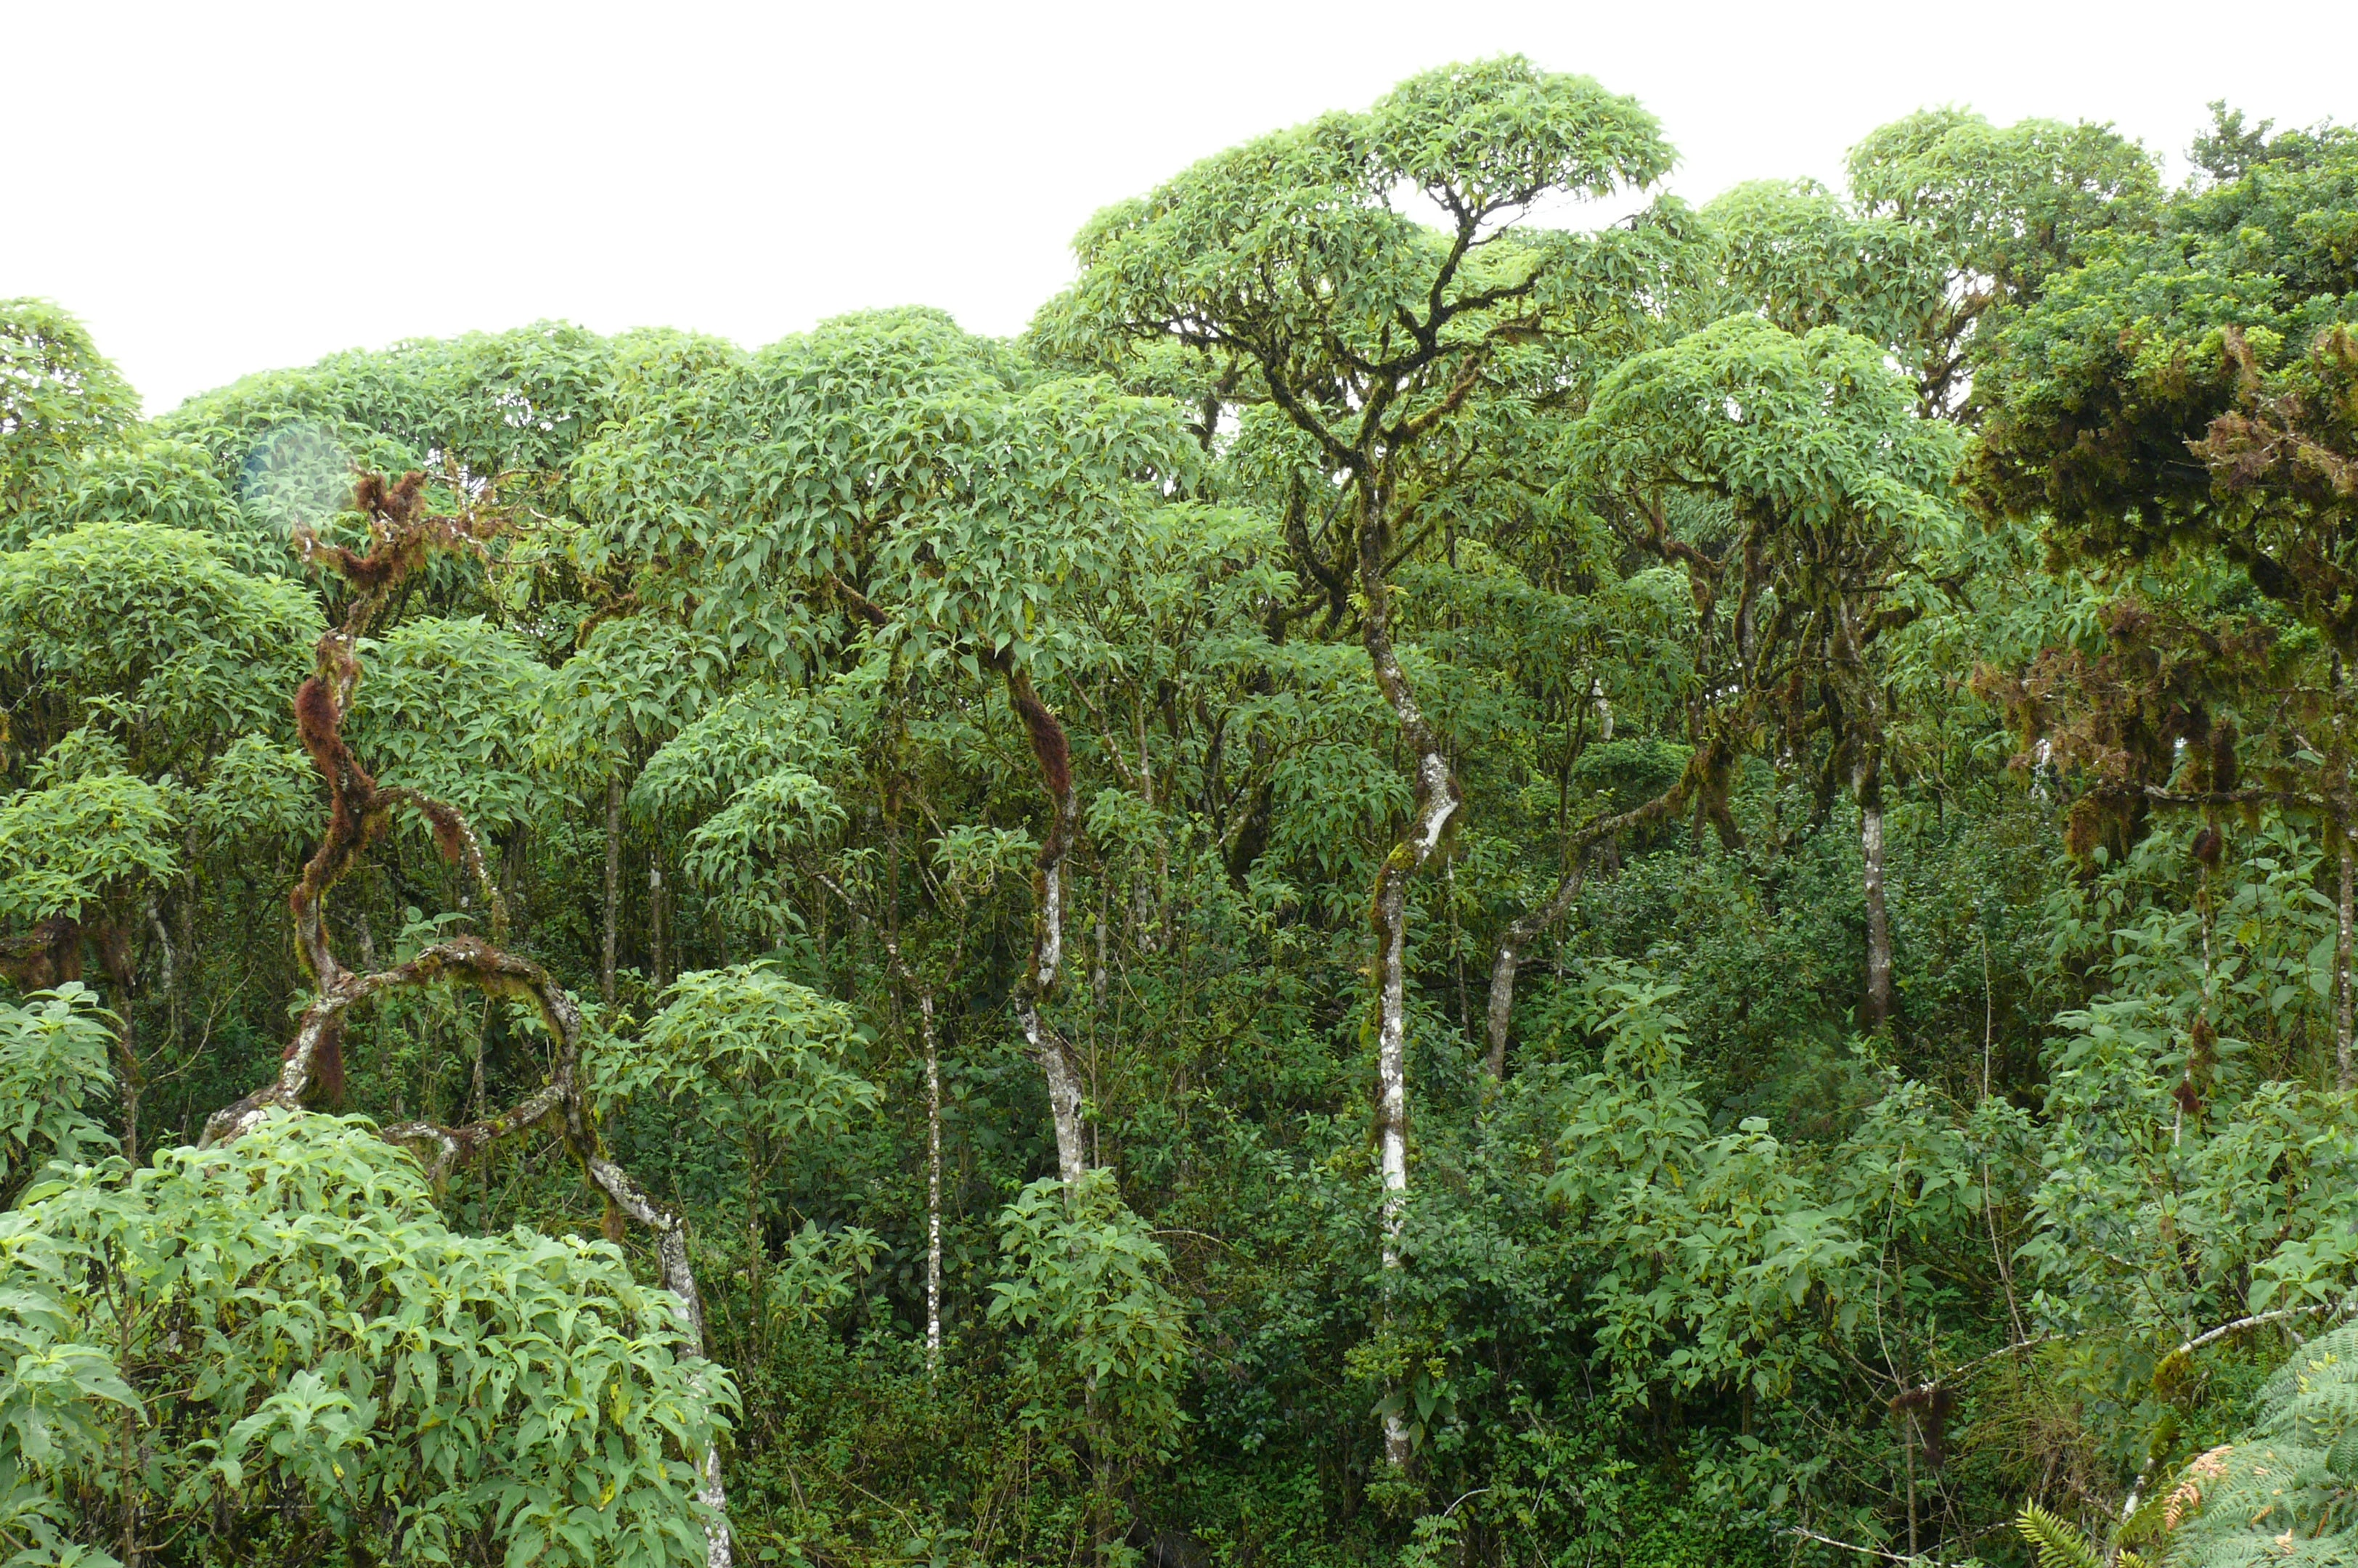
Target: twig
x=2212, y=1336
x=1851, y=1546
x=1978, y=1362
x=1452, y=1507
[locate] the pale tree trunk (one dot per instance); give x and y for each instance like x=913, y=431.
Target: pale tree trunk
x=613, y=887
x=889, y=929
x=1519, y=935
x=1436, y=801
x=2345, y=1071
x=930, y=1040
x=167, y=958
x=1065, y=1095
x=933, y=1183
x=1868, y=781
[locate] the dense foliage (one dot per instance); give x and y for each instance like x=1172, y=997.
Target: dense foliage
x=1427, y=883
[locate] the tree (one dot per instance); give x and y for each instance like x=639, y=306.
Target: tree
x=1953, y=224
x=759, y=1059
x=2226, y=338
x=54, y=1053
x=934, y=505
x=1999, y=211
x=1836, y=512
x=136, y=655
x=1003, y=722
x=1087, y=1277
x=1293, y=268
x=81, y=855
x=58, y=397
x=451, y=1389
x=2181, y=708
x=2223, y=338
x=403, y=534
x=631, y=687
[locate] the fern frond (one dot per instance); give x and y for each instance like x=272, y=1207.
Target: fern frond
x=2060, y=1544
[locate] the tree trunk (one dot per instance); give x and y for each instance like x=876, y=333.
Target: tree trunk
x=930, y=1040
x=1065, y=1097
x=1869, y=782
x=613, y=887
x=168, y=959
x=889, y=929
x=115, y=957
x=2345, y=1071
x=1436, y=801
x=1519, y=935
x=655, y=933
x=1524, y=932
x=757, y=1251
x=933, y=1183
x=1053, y=752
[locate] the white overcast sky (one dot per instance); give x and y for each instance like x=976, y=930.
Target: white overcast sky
x=217, y=188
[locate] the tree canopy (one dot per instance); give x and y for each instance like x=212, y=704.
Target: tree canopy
x=1468, y=867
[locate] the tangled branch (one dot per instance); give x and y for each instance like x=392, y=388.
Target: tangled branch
x=404, y=537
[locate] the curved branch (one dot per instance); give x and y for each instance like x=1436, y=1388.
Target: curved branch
x=457, y=1146
x=402, y=538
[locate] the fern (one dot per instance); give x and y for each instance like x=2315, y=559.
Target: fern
x=2282, y=1494
x=2065, y=1545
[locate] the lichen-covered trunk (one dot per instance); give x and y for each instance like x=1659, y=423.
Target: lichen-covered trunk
x=1869, y=784
x=1436, y=803
x=1054, y=753
x=657, y=950
x=169, y=976
x=1500, y=1015
x=933, y=1183
x=1391, y=1108
x=1065, y=1095
x=888, y=929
